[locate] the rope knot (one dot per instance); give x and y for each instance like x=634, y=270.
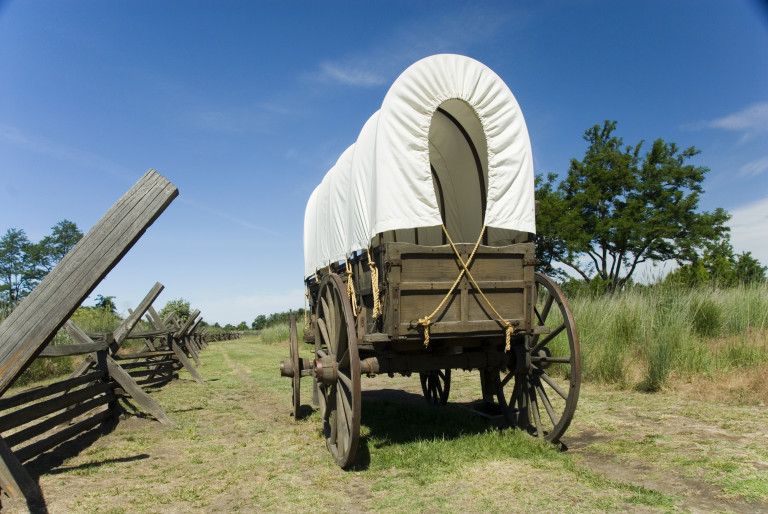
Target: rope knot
x=424, y=322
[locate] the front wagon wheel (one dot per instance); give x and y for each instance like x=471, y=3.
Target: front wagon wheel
x=539, y=390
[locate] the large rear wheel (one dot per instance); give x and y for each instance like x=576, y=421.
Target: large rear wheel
x=337, y=369
x=539, y=388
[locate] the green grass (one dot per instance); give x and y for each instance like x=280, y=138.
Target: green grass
x=643, y=336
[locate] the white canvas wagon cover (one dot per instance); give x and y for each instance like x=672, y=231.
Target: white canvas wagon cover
x=407, y=168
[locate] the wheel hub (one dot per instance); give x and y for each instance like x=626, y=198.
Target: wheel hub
x=325, y=370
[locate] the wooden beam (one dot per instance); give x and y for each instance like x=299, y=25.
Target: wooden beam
x=182, y=331
x=135, y=391
x=15, y=481
x=63, y=350
x=157, y=321
x=185, y=362
x=34, y=322
x=121, y=332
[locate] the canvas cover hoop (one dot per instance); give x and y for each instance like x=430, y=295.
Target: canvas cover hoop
x=386, y=181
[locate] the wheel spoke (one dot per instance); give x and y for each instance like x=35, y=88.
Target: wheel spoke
x=535, y=405
x=552, y=360
x=328, y=315
x=546, y=402
x=324, y=333
x=541, y=344
x=545, y=311
x=344, y=379
x=554, y=385
x=344, y=360
x=507, y=379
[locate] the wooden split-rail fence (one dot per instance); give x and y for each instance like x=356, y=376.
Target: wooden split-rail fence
x=36, y=420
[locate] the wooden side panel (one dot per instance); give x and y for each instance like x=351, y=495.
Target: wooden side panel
x=35, y=321
x=419, y=278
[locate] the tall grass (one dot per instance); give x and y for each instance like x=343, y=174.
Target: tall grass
x=643, y=336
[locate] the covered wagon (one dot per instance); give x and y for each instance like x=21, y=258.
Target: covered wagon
x=419, y=258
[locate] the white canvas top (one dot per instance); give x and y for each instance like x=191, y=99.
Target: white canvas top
x=448, y=139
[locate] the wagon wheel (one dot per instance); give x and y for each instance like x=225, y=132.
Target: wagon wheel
x=337, y=369
x=296, y=371
x=436, y=384
x=540, y=387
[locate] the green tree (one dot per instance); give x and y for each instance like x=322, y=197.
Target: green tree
x=64, y=236
x=618, y=208
x=242, y=326
x=19, y=261
x=259, y=323
x=106, y=303
x=24, y=264
x=180, y=307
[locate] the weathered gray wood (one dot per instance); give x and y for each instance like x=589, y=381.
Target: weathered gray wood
x=54, y=421
x=140, y=355
x=157, y=321
x=173, y=321
x=14, y=479
x=39, y=410
x=31, y=395
x=145, y=401
x=192, y=351
x=63, y=350
x=38, y=447
x=121, y=332
x=36, y=319
x=149, y=333
x=193, y=328
x=185, y=362
x=182, y=331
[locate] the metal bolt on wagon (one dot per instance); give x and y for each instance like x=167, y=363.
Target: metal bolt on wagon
x=419, y=258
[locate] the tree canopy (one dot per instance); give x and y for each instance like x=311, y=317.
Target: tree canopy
x=24, y=264
x=179, y=306
x=619, y=207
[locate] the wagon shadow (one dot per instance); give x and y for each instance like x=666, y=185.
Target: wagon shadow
x=394, y=417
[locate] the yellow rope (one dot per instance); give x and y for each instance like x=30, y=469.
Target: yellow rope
x=425, y=321
x=508, y=328
x=351, y=289
x=306, y=308
x=374, y=286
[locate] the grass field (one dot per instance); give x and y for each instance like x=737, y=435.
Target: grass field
x=236, y=448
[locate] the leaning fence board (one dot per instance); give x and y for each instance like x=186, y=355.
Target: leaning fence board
x=65, y=350
x=31, y=395
x=38, y=410
x=54, y=421
x=39, y=447
x=35, y=321
x=127, y=325
x=185, y=362
x=145, y=401
x=15, y=480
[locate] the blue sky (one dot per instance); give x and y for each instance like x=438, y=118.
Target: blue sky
x=245, y=105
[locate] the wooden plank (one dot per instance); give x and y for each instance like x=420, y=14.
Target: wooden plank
x=39, y=410
x=54, y=421
x=64, y=350
x=34, y=322
x=145, y=401
x=16, y=482
x=140, y=355
x=157, y=321
x=192, y=351
x=121, y=332
x=185, y=362
x=183, y=328
x=31, y=395
x=38, y=447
